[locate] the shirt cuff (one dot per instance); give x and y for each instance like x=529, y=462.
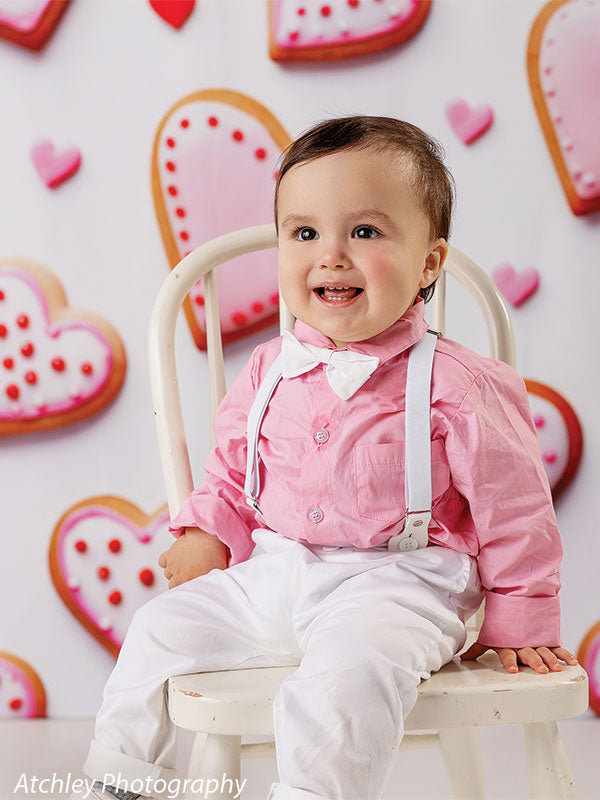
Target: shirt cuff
x=520, y=621
x=202, y=511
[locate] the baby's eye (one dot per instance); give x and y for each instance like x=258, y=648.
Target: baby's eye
x=301, y=231
x=367, y=228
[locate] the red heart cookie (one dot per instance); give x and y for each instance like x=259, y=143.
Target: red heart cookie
x=563, y=64
x=30, y=23
x=559, y=434
x=57, y=364
x=214, y=171
x=588, y=656
x=104, y=563
x=175, y=12
x=22, y=693
x=328, y=30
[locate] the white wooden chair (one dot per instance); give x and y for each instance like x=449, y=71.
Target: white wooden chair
x=223, y=706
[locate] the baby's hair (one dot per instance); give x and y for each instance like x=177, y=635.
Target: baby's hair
x=429, y=177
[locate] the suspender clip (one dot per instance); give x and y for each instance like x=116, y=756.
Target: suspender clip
x=253, y=503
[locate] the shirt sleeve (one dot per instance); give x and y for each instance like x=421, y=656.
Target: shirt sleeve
x=219, y=506
x=496, y=464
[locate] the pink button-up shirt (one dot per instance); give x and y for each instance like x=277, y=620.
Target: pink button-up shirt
x=332, y=470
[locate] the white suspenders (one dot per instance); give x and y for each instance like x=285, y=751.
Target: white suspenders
x=417, y=472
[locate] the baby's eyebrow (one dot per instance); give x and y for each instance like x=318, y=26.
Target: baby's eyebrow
x=374, y=213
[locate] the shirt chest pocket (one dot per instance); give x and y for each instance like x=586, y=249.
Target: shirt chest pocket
x=379, y=479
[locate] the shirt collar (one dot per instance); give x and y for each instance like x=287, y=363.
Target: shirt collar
x=400, y=335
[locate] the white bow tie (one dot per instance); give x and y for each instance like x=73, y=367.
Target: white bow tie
x=346, y=370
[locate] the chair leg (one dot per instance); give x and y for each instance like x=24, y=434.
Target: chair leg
x=461, y=751
x=548, y=769
x=215, y=766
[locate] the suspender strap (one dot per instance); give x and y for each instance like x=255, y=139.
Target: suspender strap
x=261, y=401
x=417, y=444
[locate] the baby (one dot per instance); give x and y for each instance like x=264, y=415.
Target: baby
x=309, y=542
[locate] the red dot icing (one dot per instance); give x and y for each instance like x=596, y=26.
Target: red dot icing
x=58, y=364
x=3, y=331
x=213, y=121
x=274, y=299
x=199, y=300
x=80, y=546
x=87, y=368
x=257, y=307
x=238, y=135
x=170, y=142
x=184, y=235
x=301, y=11
x=294, y=35
x=180, y=212
x=23, y=321
x=260, y=153
x=31, y=377
x=27, y=349
x=12, y=391
x=8, y=362
x=16, y=703
x=325, y=11
x=115, y=597
x=353, y=3
x=170, y=166
x=103, y=573
x=172, y=190
x=185, y=123
x=147, y=577
x=114, y=545
x=1, y=295
x=239, y=318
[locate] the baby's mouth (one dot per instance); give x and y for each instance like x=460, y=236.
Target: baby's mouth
x=338, y=294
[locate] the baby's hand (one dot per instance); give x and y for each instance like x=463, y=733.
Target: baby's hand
x=532, y=656
x=194, y=553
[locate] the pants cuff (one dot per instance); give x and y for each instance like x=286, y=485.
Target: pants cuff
x=118, y=769
x=279, y=791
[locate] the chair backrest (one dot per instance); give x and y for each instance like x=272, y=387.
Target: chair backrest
x=201, y=263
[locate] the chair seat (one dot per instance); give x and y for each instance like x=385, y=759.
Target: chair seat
x=461, y=693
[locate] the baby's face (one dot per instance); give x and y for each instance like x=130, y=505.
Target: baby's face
x=352, y=219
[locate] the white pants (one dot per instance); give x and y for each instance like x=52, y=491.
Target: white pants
x=367, y=625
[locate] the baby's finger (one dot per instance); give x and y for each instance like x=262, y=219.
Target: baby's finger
x=549, y=658
x=561, y=652
x=509, y=659
x=532, y=658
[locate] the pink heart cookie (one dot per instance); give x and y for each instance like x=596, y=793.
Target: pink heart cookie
x=175, y=12
x=30, y=23
x=563, y=65
x=57, y=364
x=327, y=30
x=54, y=168
x=214, y=171
x=104, y=563
x=588, y=656
x=22, y=693
x=559, y=434
x=516, y=288
x=468, y=123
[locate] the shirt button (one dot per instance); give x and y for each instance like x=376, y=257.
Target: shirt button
x=321, y=435
x=315, y=514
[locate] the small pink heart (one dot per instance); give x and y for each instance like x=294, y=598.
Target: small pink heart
x=54, y=168
x=468, y=123
x=516, y=287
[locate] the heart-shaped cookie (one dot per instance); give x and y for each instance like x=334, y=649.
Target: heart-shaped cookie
x=559, y=434
x=175, y=12
x=214, y=171
x=52, y=167
x=588, y=656
x=515, y=286
x=57, y=364
x=563, y=64
x=103, y=559
x=328, y=30
x=30, y=23
x=22, y=693
x=468, y=123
